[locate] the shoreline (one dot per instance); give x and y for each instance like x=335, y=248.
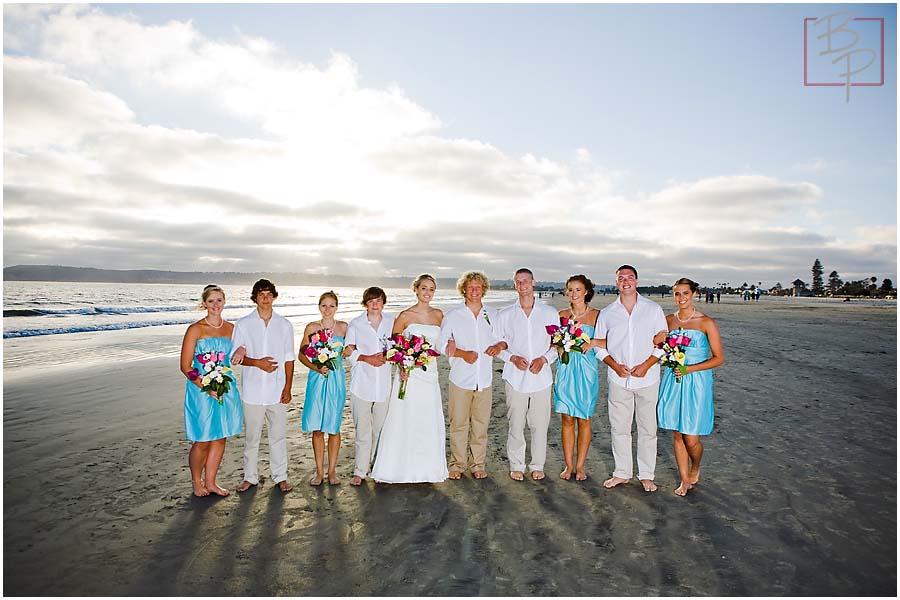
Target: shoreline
x=797, y=496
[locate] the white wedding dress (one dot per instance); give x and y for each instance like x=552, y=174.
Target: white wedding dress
x=412, y=444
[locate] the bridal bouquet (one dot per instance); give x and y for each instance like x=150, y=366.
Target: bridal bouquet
x=323, y=350
x=674, y=347
x=568, y=337
x=213, y=374
x=414, y=352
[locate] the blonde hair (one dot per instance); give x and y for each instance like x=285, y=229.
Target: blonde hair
x=328, y=294
x=418, y=281
x=207, y=291
x=466, y=278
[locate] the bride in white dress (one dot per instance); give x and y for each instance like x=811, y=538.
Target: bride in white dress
x=412, y=445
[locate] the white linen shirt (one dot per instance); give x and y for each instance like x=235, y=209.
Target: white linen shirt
x=629, y=339
x=527, y=337
x=372, y=384
x=275, y=340
x=470, y=333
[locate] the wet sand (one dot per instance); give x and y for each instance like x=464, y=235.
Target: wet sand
x=798, y=494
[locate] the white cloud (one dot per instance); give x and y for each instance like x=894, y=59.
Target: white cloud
x=337, y=177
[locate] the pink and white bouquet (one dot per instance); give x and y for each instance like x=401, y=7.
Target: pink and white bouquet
x=674, y=346
x=414, y=352
x=323, y=349
x=568, y=337
x=213, y=374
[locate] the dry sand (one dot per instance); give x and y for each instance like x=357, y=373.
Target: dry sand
x=798, y=493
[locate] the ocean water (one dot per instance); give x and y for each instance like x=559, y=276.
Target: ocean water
x=95, y=322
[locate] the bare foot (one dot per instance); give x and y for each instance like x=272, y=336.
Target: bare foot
x=316, y=480
x=566, y=474
x=245, y=485
x=580, y=475
x=614, y=481
x=455, y=475
x=694, y=477
x=648, y=484
x=537, y=475
x=199, y=489
x=682, y=489
x=479, y=474
x=285, y=486
x=216, y=489
x=516, y=475
x=333, y=479
x=356, y=480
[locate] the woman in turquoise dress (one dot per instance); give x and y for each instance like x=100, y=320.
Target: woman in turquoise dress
x=577, y=382
x=686, y=401
x=326, y=391
x=209, y=418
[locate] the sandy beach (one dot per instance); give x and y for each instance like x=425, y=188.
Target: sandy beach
x=798, y=492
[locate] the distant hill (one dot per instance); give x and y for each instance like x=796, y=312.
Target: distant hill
x=62, y=273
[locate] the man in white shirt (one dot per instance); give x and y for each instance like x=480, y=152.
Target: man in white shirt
x=629, y=325
x=468, y=335
x=370, y=377
x=265, y=383
x=527, y=353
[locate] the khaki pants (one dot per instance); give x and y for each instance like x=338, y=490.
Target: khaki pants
x=626, y=406
x=275, y=418
x=531, y=409
x=469, y=412
x=368, y=418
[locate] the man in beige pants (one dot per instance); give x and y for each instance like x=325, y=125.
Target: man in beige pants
x=628, y=325
x=529, y=379
x=468, y=338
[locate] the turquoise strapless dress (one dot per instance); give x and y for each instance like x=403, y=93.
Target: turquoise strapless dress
x=577, y=383
x=204, y=418
x=323, y=404
x=687, y=407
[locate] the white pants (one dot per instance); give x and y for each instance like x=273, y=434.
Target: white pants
x=275, y=417
x=532, y=409
x=626, y=406
x=368, y=418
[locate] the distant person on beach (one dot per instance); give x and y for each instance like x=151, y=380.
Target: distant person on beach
x=718, y=297
x=208, y=417
x=326, y=391
x=412, y=447
x=629, y=325
x=469, y=341
x=529, y=378
x=577, y=380
x=267, y=338
x=686, y=406
x=370, y=377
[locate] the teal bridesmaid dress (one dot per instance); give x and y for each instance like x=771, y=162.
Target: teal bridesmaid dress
x=687, y=407
x=577, y=383
x=205, y=419
x=323, y=406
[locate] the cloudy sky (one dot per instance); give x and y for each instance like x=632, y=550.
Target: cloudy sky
x=396, y=139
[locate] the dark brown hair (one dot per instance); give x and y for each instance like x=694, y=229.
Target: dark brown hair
x=688, y=282
x=587, y=283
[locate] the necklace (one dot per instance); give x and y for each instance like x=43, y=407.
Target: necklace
x=677, y=316
x=219, y=326
x=576, y=317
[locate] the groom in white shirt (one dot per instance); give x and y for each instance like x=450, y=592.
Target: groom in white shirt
x=467, y=334
x=629, y=325
x=370, y=377
x=529, y=379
